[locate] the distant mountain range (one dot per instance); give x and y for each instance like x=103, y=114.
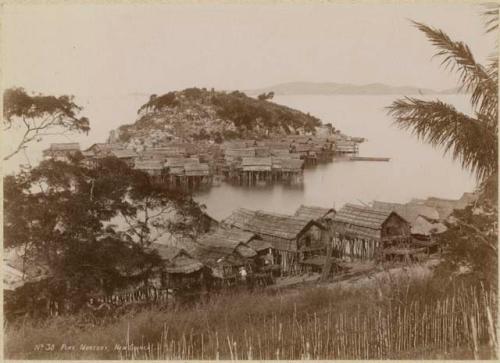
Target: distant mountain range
x=331, y=88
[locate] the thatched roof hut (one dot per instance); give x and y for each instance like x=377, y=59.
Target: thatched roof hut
x=124, y=153
x=61, y=149
x=103, y=148
x=183, y=264
x=368, y=222
x=226, y=238
x=283, y=231
x=256, y=164
x=422, y=226
x=221, y=263
x=163, y=153
x=65, y=146
x=177, y=260
x=292, y=165
x=259, y=245
x=316, y=213
x=152, y=167
x=239, y=153
x=166, y=252
x=409, y=211
x=446, y=206
x=196, y=169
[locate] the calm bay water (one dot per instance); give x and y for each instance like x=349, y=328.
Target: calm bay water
x=416, y=170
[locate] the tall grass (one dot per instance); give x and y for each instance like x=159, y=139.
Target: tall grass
x=316, y=323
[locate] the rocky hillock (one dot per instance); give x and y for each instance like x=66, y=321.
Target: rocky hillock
x=199, y=114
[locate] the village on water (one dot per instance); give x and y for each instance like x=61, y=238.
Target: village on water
x=258, y=248
x=253, y=181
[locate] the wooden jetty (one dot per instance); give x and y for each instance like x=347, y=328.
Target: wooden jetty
x=368, y=158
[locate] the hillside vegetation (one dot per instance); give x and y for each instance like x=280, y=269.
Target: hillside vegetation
x=200, y=114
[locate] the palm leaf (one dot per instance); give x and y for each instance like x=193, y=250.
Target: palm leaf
x=491, y=16
x=472, y=141
x=473, y=76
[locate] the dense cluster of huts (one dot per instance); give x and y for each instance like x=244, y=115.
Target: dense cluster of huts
x=191, y=166
x=254, y=246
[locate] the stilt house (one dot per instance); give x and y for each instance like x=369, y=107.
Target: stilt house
x=364, y=232
x=180, y=269
x=289, y=236
x=319, y=214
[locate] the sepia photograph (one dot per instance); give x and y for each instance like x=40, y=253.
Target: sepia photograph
x=250, y=180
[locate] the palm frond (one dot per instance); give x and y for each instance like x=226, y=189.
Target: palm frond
x=472, y=141
x=474, y=78
x=491, y=16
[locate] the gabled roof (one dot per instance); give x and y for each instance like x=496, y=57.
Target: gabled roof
x=362, y=216
x=124, y=153
x=256, y=161
x=212, y=256
x=246, y=152
x=245, y=251
x=167, y=253
x=424, y=227
x=313, y=212
x=68, y=146
x=178, y=162
x=259, y=245
x=226, y=238
x=240, y=218
x=268, y=224
x=167, y=151
x=177, y=260
x=256, y=164
x=410, y=212
x=184, y=264
x=105, y=147
x=148, y=165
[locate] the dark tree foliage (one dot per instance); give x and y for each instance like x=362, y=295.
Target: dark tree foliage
x=470, y=245
x=251, y=117
x=157, y=103
x=59, y=213
x=265, y=96
x=40, y=115
x=193, y=93
x=249, y=114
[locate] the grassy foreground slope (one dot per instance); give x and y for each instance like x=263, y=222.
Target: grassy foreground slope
x=401, y=319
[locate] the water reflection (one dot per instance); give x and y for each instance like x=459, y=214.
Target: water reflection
x=415, y=170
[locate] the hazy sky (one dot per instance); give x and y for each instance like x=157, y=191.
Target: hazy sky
x=121, y=49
